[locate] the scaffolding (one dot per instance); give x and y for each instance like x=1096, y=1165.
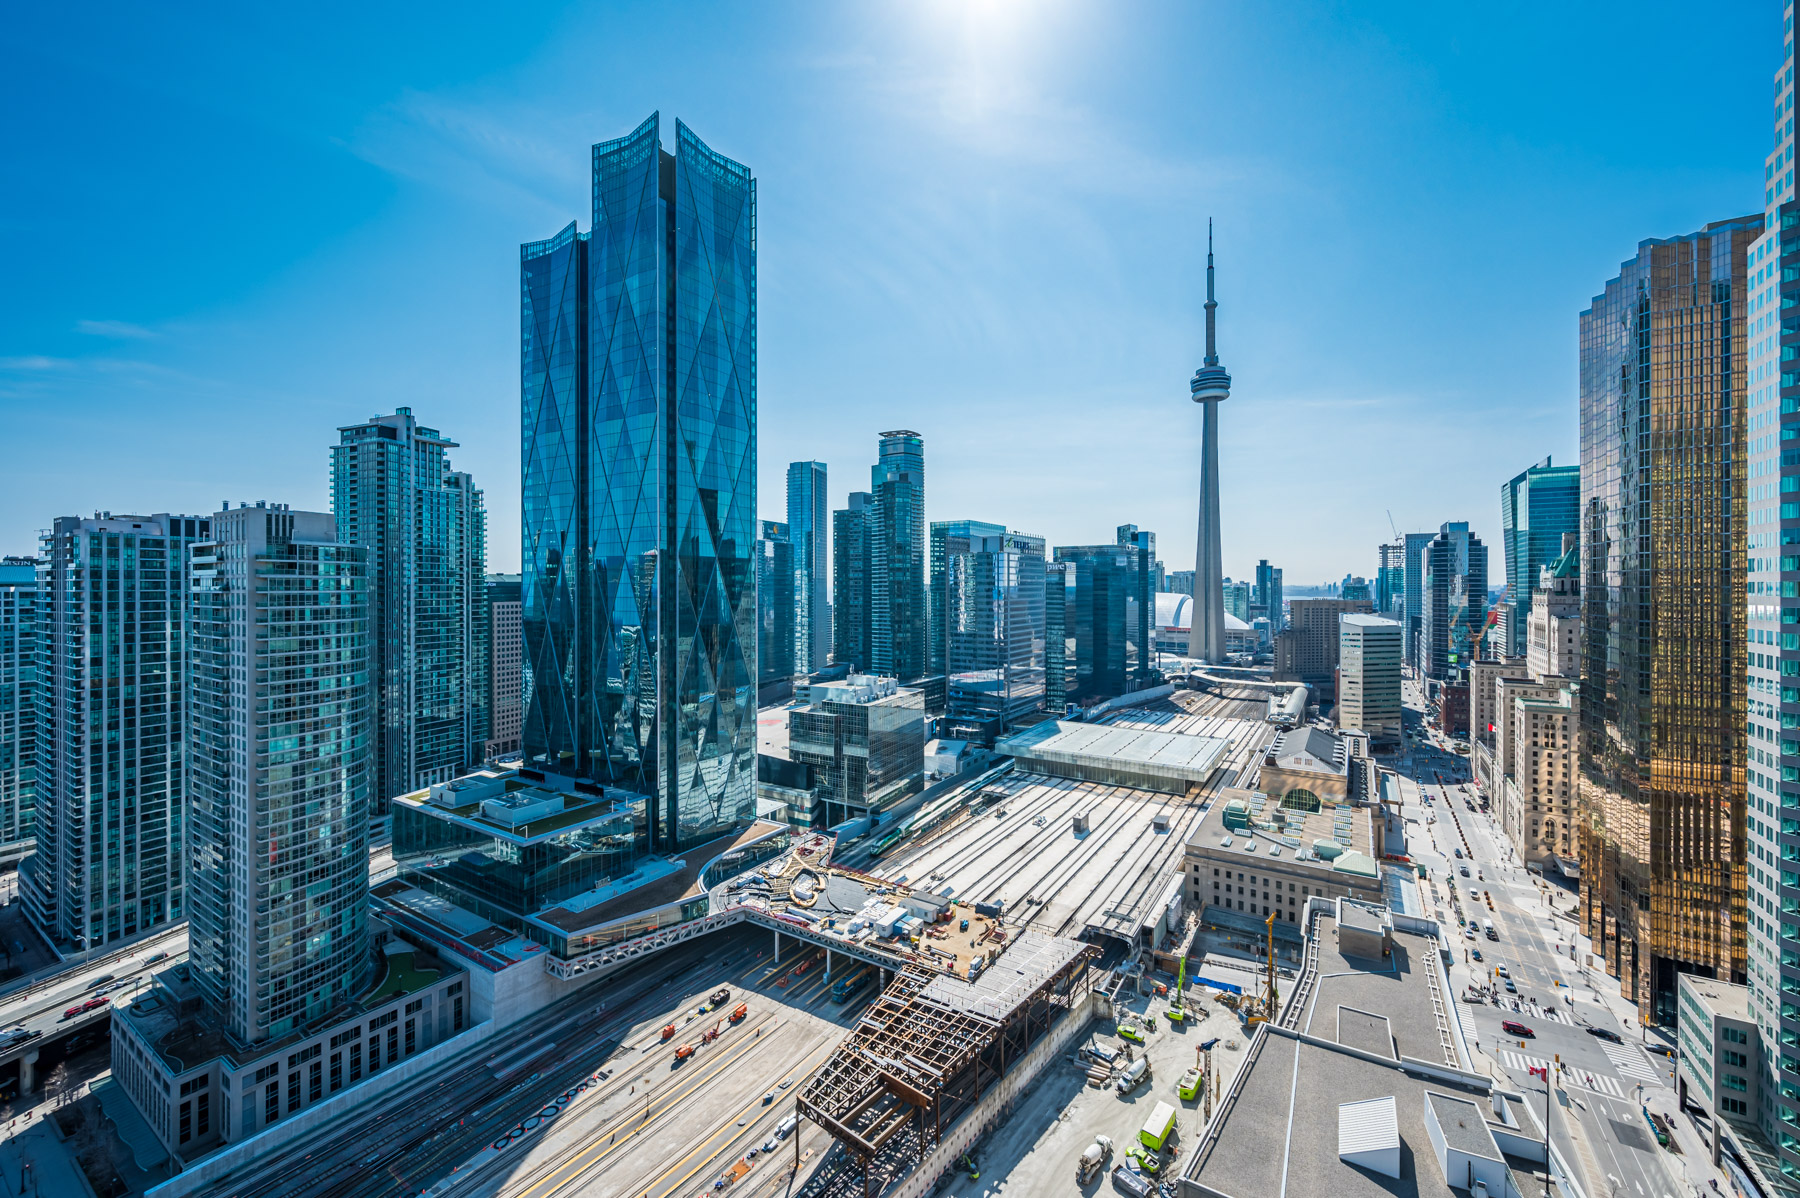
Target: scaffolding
x=930, y=1047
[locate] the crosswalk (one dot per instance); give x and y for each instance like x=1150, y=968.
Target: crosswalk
x=1631, y=1062
x=1600, y=1083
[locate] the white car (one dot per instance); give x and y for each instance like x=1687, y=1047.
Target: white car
x=1500, y=970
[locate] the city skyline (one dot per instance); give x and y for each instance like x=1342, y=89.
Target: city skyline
x=467, y=155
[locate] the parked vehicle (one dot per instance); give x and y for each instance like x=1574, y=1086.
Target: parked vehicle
x=1130, y=1184
x=1147, y=1162
x=786, y=1127
x=1606, y=1033
x=683, y=1053
x=1513, y=1027
x=738, y=1012
x=1158, y=1127
x=668, y=1032
x=1135, y=1075
x=1093, y=1159
x=720, y=997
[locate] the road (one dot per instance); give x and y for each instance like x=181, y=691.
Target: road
x=1602, y=1083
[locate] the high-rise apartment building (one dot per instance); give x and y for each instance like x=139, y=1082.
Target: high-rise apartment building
x=639, y=415
x=1180, y=582
x=1664, y=519
x=852, y=632
x=778, y=586
x=1237, y=600
x=899, y=616
x=1453, y=600
x=18, y=696
x=1058, y=682
x=1140, y=604
x=1537, y=506
x=1771, y=661
x=809, y=532
x=1390, y=583
x=279, y=767
x=1369, y=676
x=506, y=674
x=425, y=526
x=1309, y=653
x=111, y=770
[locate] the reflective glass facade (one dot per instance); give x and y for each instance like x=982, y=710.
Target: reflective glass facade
x=777, y=584
x=987, y=616
x=1663, y=536
x=899, y=617
x=1537, y=506
x=280, y=760
x=111, y=789
x=809, y=531
x=638, y=371
x=1452, y=601
x=852, y=631
x=18, y=696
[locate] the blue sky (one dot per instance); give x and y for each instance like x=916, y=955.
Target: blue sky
x=229, y=230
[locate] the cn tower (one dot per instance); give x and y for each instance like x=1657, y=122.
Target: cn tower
x=1210, y=384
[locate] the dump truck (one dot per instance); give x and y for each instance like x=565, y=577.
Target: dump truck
x=1093, y=1159
x=1158, y=1127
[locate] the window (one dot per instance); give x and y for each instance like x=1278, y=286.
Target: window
x=411, y=1040
x=415, y=1006
x=356, y=1060
x=202, y=1114
x=187, y=1122
x=1732, y=1081
x=374, y=1053
x=337, y=1072
x=267, y=1071
x=272, y=1103
x=456, y=1015
x=293, y=1091
x=393, y=1044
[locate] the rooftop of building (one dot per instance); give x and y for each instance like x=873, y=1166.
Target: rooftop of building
x=1335, y=839
x=857, y=689
x=443, y=923
x=666, y=881
x=1408, y=989
x=1720, y=997
x=1308, y=750
x=1176, y=611
x=1127, y=748
x=1361, y=619
x=173, y=1019
x=524, y=806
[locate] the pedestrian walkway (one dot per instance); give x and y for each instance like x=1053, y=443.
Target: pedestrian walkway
x=1580, y=1079
x=1631, y=1062
x=34, y=1162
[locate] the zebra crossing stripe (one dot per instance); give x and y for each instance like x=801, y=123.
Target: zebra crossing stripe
x=1581, y=1079
x=1630, y=1062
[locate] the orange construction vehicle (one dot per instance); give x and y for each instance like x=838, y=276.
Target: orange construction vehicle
x=684, y=1052
x=741, y=1010
x=669, y=1032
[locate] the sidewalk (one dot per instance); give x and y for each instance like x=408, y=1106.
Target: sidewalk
x=35, y=1161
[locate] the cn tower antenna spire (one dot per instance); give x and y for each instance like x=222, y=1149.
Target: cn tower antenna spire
x=1210, y=384
x=1212, y=343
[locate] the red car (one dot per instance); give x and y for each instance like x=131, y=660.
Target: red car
x=92, y=1003
x=73, y=1011
x=1513, y=1027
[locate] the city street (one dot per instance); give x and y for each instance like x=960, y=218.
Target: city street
x=1598, y=1122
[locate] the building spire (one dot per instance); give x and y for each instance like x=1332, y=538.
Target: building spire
x=1212, y=346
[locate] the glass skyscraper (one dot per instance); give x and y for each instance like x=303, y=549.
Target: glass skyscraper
x=638, y=374
x=111, y=770
x=279, y=768
x=18, y=696
x=1452, y=600
x=425, y=526
x=1663, y=523
x=809, y=534
x=777, y=584
x=851, y=631
x=898, y=606
x=1537, y=506
x=987, y=616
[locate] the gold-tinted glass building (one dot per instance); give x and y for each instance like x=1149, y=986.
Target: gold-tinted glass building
x=1662, y=710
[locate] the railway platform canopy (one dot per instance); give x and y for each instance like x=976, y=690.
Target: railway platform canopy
x=931, y=1047
x=1118, y=754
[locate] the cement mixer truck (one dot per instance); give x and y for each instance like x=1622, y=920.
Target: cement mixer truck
x=1093, y=1160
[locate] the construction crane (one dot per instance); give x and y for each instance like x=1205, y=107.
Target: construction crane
x=1392, y=525
x=1272, y=998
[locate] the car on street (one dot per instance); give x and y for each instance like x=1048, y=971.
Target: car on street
x=1511, y=988
x=72, y=1011
x=98, y=982
x=1500, y=968
x=94, y=1004
x=1475, y=953
x=1513, y=1027
x=153, y=958
x=1458, y=853
x=1606, y=1033
x=1464, y=870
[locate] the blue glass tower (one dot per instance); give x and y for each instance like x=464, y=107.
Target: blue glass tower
x=639, y=506
x=1537, y=506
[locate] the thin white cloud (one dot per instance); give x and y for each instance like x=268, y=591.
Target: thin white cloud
x=122, y=330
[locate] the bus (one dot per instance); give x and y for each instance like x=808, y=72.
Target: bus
x=1159, y=1127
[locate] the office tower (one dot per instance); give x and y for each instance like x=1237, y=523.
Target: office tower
x=1312, y=639
x=280, y=762
x=1390, y=583
x=898, y=615
x=1553, y=629
x=1355, y=586
x=1115, y=650
x=425, y=526
x=864, y=737
x=778, y=586
x=1140, y=604
x=851, y=629
x=1537, y=506
x=1267, y=596
x=111, y=787
x=639, y=415
x=1452, y=601
x=1369, y=676
x=1412, y=595
x=18, y=696
x=1664, y=514
x=1180, y=582
x=1210, y=385
x=506, y=675
x=1772, y=753
x=809, y=534
x=987, y=614
x=1057, y=683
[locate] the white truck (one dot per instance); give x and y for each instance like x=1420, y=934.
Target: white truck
x=1136, y=1073
x=1093, y=1159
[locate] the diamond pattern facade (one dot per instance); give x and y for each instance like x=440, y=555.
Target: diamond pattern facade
x=639, y=373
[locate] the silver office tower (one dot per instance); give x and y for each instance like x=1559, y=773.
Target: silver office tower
x=809, y=530
x=425, y=526
x=639, y=515
x=111, y=794
x=18, y=696
x=279, y=751
x=1210, y=385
